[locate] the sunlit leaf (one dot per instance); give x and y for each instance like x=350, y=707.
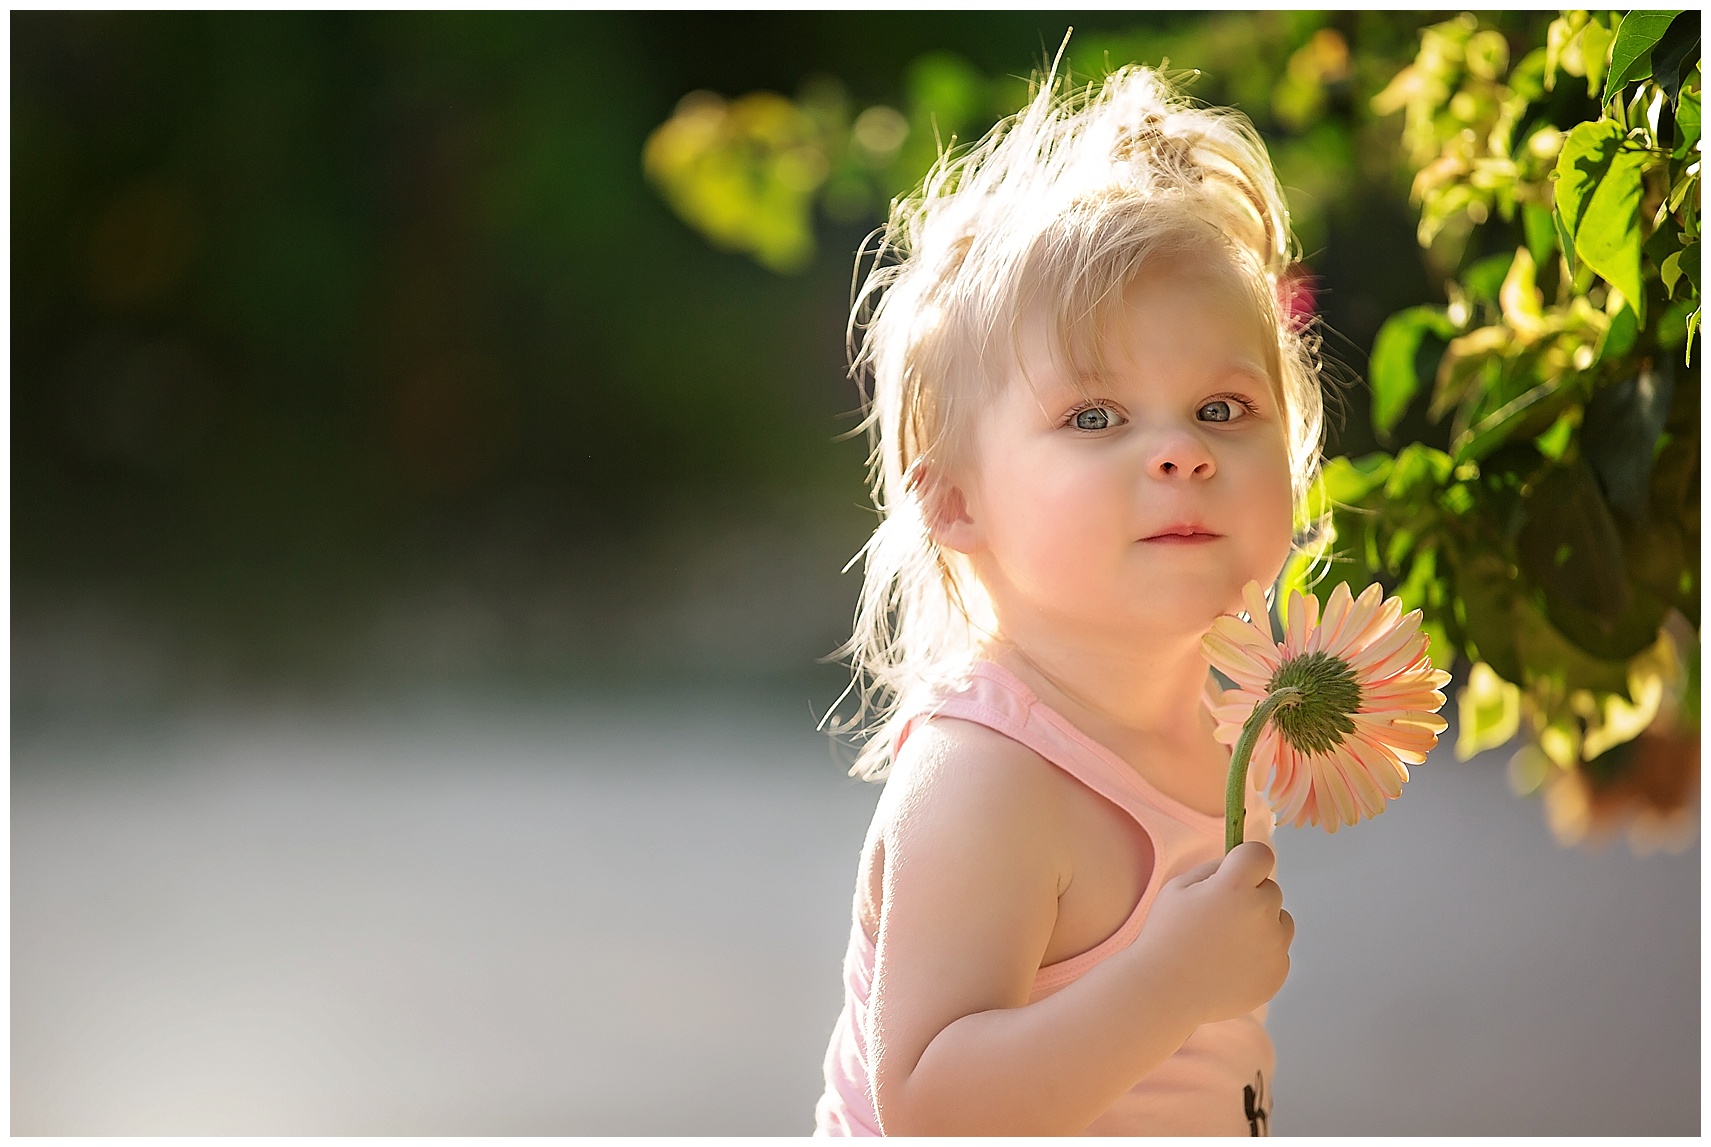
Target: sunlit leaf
x=1595, y=41
x=1631, y=54
x=1609, y=235
x=1523, y=308
x=1686, y=124
x=1582, y=163
x=1488, y=711
x=1598, y=193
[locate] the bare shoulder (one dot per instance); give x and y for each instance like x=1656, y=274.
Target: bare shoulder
x=971, y=807
x=952, y=764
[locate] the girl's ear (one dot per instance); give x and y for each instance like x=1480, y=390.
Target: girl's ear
x=946, y=510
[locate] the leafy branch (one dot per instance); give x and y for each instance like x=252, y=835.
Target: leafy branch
x=1555, y=545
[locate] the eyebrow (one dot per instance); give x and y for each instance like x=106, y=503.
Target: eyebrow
x=1081, y=385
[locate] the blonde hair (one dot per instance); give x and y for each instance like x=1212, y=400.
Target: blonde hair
x=1062, y=204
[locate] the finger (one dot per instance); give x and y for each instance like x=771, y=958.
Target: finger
x=1288, y=922
x=1247, y=864
x=1196, y=874
x=1272, y=893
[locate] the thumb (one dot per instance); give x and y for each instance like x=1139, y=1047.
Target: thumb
x=1248, y=864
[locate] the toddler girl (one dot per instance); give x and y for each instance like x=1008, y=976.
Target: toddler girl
x=1091, y=423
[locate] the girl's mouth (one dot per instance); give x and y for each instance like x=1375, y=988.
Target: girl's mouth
x=1187, y=534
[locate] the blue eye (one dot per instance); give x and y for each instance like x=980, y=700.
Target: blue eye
x=1095, y=418
x=1220, y=410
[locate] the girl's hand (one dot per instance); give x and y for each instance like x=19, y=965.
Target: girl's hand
x=1219, y=932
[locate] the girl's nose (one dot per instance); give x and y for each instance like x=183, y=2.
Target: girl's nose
x=1181, y=455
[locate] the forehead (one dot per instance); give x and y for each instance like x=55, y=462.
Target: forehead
x=1199, y=316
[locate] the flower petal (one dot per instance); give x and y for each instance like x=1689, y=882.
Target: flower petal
x=1378, y=765
x=1368, y=795
x=1302, y=617
x=1253, y=600
x=1328, y=782
x=1360, y=619
x=1385, y=766
x=1386, y=643
x=1429, y=721
x=1382, y=666
x=1336, y=613
x=1406, y=741
x=1401, y=693
x=1233, y=663
x=1248, y=639
x=1236, y=714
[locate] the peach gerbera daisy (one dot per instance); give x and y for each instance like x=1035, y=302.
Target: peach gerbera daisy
x=1334, y=713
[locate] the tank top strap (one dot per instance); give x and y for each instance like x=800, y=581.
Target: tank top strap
x=991, y=695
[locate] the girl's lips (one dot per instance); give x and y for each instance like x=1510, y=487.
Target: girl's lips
x=1193, y=539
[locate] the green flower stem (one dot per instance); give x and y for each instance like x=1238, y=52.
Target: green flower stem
x=1235, y=793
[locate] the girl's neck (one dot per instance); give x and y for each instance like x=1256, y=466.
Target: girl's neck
x=1132, y=691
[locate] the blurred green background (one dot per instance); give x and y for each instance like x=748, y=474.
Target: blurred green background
x=352, y=350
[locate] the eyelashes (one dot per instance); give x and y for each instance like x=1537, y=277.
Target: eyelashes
x=1247, y=407
x=1096, y=414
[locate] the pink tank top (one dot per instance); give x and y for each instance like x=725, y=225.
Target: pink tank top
x=1216, y=1083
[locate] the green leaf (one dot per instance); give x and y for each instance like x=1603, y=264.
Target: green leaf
x=1547, y=652
x=1488, y=711
x=1686, y=124
x=1419, y=472
x=1672, y=326
x=1541, y=232
x=1657, y=553
x=1554, y=442
x=1581, y=164
x=1670, y=272
x=1598, y=195
x=1690, y=265
x=1530, y=412
x=1485, y=588
x=1623, y=423
x=1595, y=41
x=1676, y=51
x=1568, y=544
x=1347, y=482
x=1418, y=589
x=1485, y=278
x=1609, y=235
x=1619, y=339
x=1394, y=364
x=1565, y=242
x=1631, y=55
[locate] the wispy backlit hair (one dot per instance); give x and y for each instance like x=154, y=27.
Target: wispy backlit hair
x=1054, y=212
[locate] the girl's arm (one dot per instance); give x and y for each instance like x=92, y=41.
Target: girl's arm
x=974, y=860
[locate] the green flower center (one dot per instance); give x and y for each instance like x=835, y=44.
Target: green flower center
x=1319, y=721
